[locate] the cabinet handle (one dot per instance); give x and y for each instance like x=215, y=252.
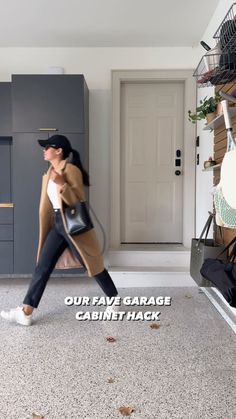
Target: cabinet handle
x=47, y=129
x=6, y=205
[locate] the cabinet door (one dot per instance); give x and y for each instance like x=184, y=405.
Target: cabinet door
x=6, y=257
x=5, y=109
x=28, y=167
x=6, y=215
x=6, y=240
x=5, y=169
x=49, y=101
x=80, y=143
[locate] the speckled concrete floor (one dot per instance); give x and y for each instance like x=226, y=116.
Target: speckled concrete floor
x=60, y=367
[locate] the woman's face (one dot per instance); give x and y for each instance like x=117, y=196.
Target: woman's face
x=51, y=153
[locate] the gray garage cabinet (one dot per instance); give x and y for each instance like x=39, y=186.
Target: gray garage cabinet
x=42, y=105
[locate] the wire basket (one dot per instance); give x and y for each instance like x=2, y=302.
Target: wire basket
x=216, y=69
x=226, y=33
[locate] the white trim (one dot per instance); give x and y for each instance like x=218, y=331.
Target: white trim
x=220, y=310
x=232, y=309
x=119, y=76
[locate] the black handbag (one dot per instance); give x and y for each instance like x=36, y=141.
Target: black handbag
x=222, y=274
x=201, y=249
x=78, y=219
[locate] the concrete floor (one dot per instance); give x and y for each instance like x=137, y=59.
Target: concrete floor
x=60, y=367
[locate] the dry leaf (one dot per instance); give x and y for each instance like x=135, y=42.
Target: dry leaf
x=110, y=380
x=126, y=410
x=188, y=296
x=110, y=339
x=155, y=326
x=37, y=416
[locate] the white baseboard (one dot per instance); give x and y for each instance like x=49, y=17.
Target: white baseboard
x=127, y=278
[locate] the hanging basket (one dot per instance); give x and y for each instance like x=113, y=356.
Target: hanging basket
x=216, y=69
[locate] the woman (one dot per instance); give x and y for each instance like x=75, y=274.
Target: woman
x=63, y=185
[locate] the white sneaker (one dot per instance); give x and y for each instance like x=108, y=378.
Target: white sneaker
x=112, y=309
x=17, y=315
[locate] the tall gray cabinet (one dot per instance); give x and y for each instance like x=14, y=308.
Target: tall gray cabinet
x=42, y=105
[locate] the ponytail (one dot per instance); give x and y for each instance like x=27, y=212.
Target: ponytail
x=77, y=162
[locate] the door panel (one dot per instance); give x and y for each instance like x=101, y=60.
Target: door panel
x=151, y=131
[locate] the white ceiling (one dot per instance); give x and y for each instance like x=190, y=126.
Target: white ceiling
x=103, y=23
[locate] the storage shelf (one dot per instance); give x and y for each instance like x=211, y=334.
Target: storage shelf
x=226, y=33
x=216, y=69
x=218, y=66
x=211, y=168
x=219, y=120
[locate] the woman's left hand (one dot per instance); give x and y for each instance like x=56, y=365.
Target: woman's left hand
x=58, y=179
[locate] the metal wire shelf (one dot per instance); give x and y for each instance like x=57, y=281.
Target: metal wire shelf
x=226, y=33
x=216, y=69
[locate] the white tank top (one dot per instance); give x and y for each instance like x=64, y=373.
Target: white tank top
x=52, y=194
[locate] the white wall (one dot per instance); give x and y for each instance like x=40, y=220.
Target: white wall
x=204, y=180
x=96, y=64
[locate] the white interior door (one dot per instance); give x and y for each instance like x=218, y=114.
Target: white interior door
x=151, y=190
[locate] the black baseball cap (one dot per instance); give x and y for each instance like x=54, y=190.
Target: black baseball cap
x=57, y=141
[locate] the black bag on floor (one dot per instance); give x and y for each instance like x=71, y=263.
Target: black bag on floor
x=202, y=249
x=222, y=274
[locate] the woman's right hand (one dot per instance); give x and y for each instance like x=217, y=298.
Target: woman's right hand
x=58, y=179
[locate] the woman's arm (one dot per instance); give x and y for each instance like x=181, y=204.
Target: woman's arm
x=72, y=190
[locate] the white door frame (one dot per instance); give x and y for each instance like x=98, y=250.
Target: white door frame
x=120, y=76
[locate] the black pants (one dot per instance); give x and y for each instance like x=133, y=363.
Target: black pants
x=54, y=245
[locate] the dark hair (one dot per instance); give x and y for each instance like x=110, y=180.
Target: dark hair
x=77, y=162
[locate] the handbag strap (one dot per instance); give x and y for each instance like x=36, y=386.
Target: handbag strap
x=232, y=255
x=218, y=228
x=221, y=233
x=205, y=229
x=227, y=248
x=101, y=227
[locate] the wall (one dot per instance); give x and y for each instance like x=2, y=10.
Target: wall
x=204, y=180
x=96, y=64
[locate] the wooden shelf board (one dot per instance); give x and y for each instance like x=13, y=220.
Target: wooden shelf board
x=219, y=120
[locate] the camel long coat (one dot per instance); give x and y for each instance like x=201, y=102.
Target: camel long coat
x=86, y=243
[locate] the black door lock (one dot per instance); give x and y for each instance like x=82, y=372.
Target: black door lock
x=178, y=162
x=177, y=172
